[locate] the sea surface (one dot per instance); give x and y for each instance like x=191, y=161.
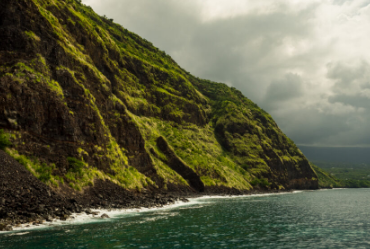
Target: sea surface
x=303, y=219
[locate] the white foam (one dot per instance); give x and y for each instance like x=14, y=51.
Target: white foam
x=18, y=234
x=327, y=189
x=247, y=196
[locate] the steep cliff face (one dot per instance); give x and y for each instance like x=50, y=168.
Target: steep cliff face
x=84, y=99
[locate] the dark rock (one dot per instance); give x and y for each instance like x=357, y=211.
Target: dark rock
x=49, y=218
x=184, y=200
x=3, y=213
x=41, y=209
x=105, y=216
x=64, y=217
x=4, y=227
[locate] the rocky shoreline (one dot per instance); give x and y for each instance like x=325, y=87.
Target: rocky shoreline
x=26, y=200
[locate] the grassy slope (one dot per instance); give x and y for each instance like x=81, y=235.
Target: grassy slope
x=325, y=179
x=223, y=136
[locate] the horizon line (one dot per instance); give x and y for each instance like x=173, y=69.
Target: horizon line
x=335, y=146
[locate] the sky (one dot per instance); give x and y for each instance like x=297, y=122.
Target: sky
x=304, y=62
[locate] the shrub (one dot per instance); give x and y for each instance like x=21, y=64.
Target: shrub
x=41, y=171
x=255, y=182
x=75, y=165
x=60, y=179
x=263, y=182
x=4, y=140
x=45, y=172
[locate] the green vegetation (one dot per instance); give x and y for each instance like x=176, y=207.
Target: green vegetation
x=35, y=72
x=80, y=175
x=356, y=183
x=198, y=148
x=4, y=140
x=32, y=35
x=45, y=172
x=263, y=182
x=40, y=170
x=75, y=165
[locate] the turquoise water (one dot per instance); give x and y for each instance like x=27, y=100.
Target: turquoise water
x=309, y=219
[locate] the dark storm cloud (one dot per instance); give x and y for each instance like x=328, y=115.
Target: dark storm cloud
x=303, y=126
x=351, y=84
x=291, y=86
x=304, y=62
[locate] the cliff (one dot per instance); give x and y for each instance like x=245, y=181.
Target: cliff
x=85, y=101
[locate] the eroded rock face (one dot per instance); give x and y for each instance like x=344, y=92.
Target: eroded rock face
x=74, y=113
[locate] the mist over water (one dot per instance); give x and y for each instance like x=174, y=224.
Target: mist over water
x=309, y=219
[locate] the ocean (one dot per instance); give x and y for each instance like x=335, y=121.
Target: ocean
x=338, y=218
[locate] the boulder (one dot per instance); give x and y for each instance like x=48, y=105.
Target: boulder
x=105, y=216
x=3, y=213
x=64, y=217
x=4, y=227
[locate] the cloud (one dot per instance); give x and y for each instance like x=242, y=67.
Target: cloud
x=305, y=62
x=349, y=78
x=286, y=89
x=351, y=84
